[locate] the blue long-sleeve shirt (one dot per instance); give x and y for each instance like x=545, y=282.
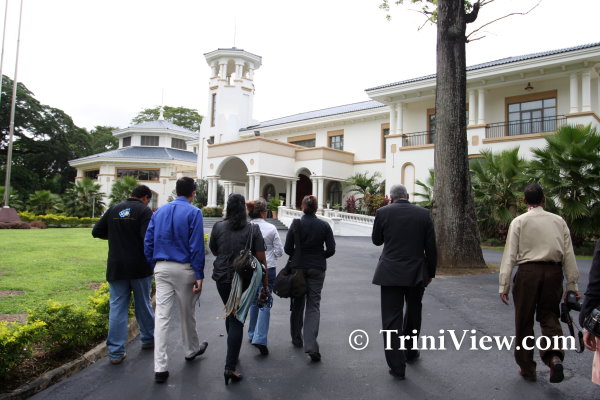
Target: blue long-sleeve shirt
x=176, y=233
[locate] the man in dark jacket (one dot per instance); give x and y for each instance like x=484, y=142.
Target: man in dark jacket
x=406, y=265
x=124, y=226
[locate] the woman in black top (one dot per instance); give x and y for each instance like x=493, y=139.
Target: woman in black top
x=591, y=301
x=314, y=233
x=227, y=239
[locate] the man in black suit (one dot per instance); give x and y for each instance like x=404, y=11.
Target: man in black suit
x=406, y=265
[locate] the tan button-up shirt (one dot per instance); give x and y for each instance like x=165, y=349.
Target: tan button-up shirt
x=538, y=236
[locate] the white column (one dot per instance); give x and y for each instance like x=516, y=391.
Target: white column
x=293, y=199
x=472, y=120
x=246, y=191
x=586, y=91
x=257, y=187
x=250, y=188
x=320, y=198
x=574, y=93
x=400, y=118
x=214, y=69
x=215, y=185
x=222, y=71
x=392, y=119
x=210, y=193
x=481, y=107
x=288, y=193
x=238, y=71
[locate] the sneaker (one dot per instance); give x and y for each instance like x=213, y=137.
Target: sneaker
x=201, y=351
x=161, y=377
x=116, y=361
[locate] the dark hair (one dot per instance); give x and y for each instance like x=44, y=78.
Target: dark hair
x=534, y=194
x=141, y=191
x=236, y=211
x=309, y=204
x=185, y=186
x=256, y=207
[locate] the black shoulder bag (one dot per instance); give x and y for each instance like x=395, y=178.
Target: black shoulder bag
x=290, y=281
x=242, y=263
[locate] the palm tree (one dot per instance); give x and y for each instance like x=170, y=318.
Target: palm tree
x=568, y=168
x=83, y=199
x=427, y=194
x=43, y=202
x=497, y=183
x=14, y=199
x=122, y=189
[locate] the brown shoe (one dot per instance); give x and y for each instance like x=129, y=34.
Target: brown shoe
x=116, y=361
x=528, y=376
x=556, y=370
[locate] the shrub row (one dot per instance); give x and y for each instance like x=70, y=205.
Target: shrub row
x=54, y=327
x=212, y=211
x=59, y=221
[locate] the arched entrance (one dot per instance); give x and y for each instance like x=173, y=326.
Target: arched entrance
x=269, y=192
x=303, y=188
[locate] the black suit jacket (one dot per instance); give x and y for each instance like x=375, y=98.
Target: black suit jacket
x=592, y=293
x=409, y=255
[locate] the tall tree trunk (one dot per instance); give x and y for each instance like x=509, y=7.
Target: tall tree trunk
x=454, y=210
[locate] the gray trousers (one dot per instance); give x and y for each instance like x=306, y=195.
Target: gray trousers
x=306, y=311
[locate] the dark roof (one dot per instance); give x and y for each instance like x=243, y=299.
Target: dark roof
x=501, y=61
x=325, y=112
x=143, y=152
x=162, y=124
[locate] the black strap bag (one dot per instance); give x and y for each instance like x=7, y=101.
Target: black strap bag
x=242, y=263
x=290, y=281
x=591, y=323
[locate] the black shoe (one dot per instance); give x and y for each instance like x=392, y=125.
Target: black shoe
x=203, y=347
x=147, y=346
x=231, y=374
x=297, y=343
x=161, y=377
x=264, y=350
x=397, y=375
x=531, y=377
x=412, y=356
x=556, y=371
x=315, y=356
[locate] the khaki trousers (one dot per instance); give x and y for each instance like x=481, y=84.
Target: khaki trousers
x=174, y=282
x=537, y=292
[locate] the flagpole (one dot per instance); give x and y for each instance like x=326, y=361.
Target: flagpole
x=12, y=117
x=3, y=37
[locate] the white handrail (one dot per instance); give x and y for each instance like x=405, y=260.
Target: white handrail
x=349, y=217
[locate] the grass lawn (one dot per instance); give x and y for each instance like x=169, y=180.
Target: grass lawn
x=57, y=264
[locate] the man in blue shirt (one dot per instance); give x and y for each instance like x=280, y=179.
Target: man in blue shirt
x=174, y=245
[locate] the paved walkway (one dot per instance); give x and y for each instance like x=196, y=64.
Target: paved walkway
x=349, y=302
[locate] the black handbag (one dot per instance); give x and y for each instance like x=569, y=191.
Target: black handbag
x=591, y=323
x=290, y=281
x=242, y=263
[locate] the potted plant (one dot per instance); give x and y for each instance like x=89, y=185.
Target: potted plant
x=272, y=206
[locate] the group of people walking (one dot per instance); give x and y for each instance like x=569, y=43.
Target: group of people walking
x=169, y=245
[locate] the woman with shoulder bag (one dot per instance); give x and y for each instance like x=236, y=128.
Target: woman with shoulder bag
x=591, y=302
x=258, y=327
x=228, y=239
x=314, y=234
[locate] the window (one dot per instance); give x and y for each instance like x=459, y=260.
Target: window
x=304, y=140
x=431, y=125
x=211, y=140
x=385, y=131
x=335, y=194
x=149, y=140
x=178, y=144
x=336, y=139
x=139, y=174
x=92, y=174
x=213, y=105
x=532, y=115
x=127, y=141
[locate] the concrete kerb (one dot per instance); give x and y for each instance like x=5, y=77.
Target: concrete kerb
x=66, y=370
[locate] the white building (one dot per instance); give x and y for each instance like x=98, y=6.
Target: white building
x=156, y=153
x=511, y=102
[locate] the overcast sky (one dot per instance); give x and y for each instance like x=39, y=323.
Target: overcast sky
x=102, y=61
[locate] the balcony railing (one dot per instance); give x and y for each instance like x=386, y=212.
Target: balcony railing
x=524, y=127
x=418, y=139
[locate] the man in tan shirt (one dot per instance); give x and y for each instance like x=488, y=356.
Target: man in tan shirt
x=538, y=242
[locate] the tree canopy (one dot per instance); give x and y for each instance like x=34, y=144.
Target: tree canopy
x=185, y=117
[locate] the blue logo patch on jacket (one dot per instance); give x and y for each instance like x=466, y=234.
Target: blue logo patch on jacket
x=125, y=213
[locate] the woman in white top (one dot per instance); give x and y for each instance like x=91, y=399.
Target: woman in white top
x=258, y=327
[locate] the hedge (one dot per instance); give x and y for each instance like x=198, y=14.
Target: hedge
x=55, y=327
x=59, y=221
x=212, y=211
